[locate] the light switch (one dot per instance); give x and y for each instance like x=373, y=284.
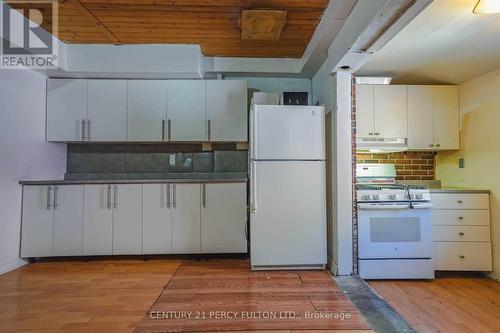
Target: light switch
x=172, y=159
x=461, y=163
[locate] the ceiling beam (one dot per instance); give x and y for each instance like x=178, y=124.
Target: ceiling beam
x=94, y=20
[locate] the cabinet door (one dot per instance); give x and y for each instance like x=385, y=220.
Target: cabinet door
x=127, y=219
x=68, y=220
x=147, y=110
x=420, y=110
x=223, y=218
x=364, y=111
x=98, y=220
x=107, y=110
x=66, y=109
x=446, y=117
x=186, y=218
x=186, y=110
x=156, y=219
x=37, y=217
x=390, y=111
x=227, y=115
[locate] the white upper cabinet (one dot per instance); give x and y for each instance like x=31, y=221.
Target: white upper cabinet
x=420, y=129
x=66, y=110
x=390, y=111
x=381, y=111
x=186, y=110
x=107, y=110
x=147, y=110
x=433, y=117
x=446, y=117
x=364, y=111
x=227, y=115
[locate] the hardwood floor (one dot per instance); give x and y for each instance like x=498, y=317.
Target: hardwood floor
x=114, y=296
x=202, y=294
x=447, y=304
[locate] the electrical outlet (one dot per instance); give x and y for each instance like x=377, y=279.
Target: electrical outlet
x=461, y=163
x=172, y=159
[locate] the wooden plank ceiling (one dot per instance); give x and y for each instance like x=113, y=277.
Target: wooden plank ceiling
x=213, y=24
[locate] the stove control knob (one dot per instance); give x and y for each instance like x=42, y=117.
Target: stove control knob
x=412, y=196
x=393, y=197
x=366, y=197
x=419, y=196
x=376, y=197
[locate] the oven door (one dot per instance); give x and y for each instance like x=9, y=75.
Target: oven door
x=393, y=230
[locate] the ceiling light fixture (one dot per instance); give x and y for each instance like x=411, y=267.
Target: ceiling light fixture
x=487, y=7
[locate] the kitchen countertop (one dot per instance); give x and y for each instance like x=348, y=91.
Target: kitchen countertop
x=73, y=179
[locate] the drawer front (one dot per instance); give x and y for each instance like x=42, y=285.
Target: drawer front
x=479, y=217
x=461, y=234
x=462, y=256
x=460, y=201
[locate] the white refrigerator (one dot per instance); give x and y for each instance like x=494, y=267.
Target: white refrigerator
x=287, y=187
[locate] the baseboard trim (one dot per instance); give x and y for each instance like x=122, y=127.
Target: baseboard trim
x=12, y=265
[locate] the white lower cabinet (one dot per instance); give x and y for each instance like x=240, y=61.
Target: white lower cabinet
x=52, y=221
x=223, y=218
x=461, y=231
x=68, y=220
x=186, y=202
x=37, y=221
x=156, y=219
x=127, y=219
x=98, y=220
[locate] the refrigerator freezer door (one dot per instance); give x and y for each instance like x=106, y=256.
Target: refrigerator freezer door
x=280, y=132
x=288, y=220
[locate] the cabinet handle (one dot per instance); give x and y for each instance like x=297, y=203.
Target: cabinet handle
x=438, y=145
x=108, y=197
x=82, y=129
x=49, y=193
x=204, y=195
x=169, y=126
x=115, y=199
x=88, y=129
x=55, y=197
x=377, y=133
x=175, y=196
x=460, y=218
x=431, y=145
x=371, y=133
x=168, y=196
x=460, y=201
x=163, y=130
x=461, y=234
x=209, y=129
x=462, y=257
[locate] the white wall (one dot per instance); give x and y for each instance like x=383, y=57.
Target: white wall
x=480, y=149
x=23, y=152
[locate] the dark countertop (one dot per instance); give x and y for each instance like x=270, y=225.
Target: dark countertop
x=72, y=179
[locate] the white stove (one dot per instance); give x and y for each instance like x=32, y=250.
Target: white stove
x=394, y=226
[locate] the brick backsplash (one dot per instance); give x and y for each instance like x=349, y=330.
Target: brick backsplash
x=409, y=165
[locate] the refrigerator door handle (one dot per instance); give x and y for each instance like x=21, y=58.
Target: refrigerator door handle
x=253, y=189
x=253, y=143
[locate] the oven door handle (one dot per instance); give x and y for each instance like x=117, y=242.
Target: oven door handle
x=422, y=206
x=365, y=206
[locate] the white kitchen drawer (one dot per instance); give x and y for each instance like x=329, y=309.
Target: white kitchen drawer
x=461, y=233
x=462, y=256
x=460, y=201
x=461, y=217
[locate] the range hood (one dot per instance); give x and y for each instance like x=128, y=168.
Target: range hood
x=381, y=145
